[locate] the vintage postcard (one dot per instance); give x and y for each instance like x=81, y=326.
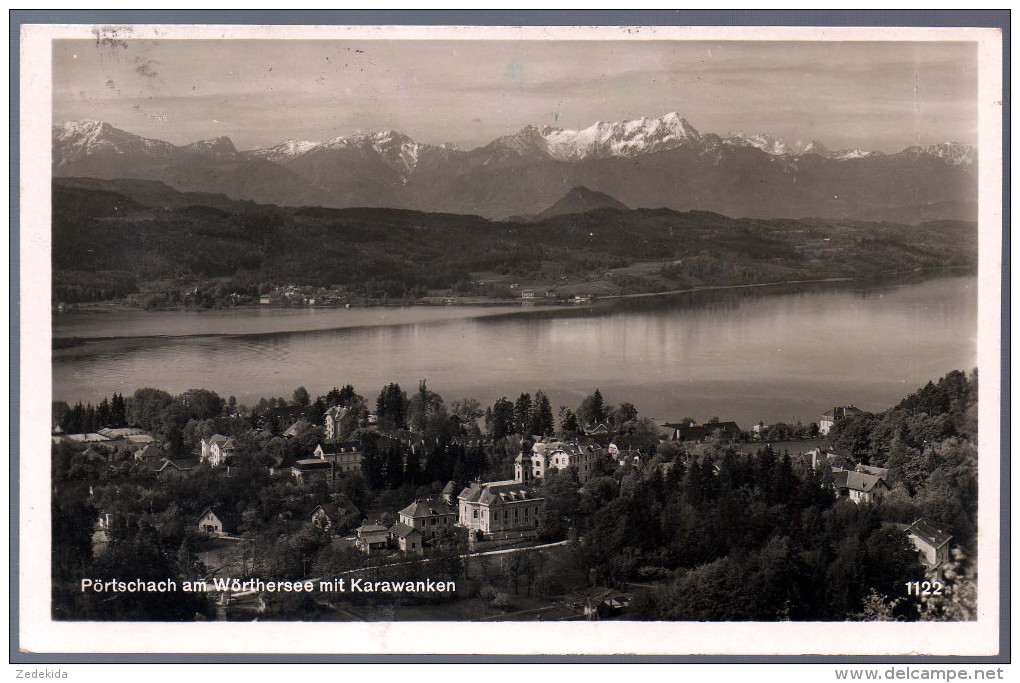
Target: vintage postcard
x=461, y=340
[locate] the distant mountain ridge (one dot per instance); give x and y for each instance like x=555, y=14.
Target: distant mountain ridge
x=659, y=162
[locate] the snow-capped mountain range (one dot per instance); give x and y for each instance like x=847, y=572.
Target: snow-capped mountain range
x=649, y=162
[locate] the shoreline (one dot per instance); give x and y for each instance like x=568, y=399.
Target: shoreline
x=120, y=305
x=75, y=340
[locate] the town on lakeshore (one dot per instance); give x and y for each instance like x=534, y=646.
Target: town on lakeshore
x=593, y=513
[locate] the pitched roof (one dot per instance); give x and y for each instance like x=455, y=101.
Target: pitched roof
x=92, y=454
x=118, y=432
x=449, y=489
x=339, y=507
x=497, y=492
x=148, y=452
x=203, y=513
x=929, y=534
x=882, y=472
x=371, y=529
x=338, y=448
x=298, y=427
x=181, y=464
x=89, y=437
x=336, y=412
x=839, y=412
x=728, y=427
x=403, y=530
x=856, y=481
x=311, y=464
x=427, y=508
x=342, y=502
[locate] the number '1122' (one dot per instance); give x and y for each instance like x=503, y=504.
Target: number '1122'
x=924, y=588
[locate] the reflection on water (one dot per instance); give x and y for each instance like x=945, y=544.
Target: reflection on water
x=740, y=354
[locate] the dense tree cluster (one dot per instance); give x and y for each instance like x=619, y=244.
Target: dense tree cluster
x=929, y=443
x=110, y=412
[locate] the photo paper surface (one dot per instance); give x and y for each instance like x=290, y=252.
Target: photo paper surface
x=461, y=340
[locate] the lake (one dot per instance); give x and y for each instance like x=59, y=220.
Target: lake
x=770, y=353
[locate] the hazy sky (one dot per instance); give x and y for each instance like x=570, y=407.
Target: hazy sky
x=879, y=96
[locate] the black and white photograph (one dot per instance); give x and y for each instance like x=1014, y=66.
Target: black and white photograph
x=616, y=332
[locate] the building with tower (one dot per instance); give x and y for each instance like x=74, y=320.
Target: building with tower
x=502, y=509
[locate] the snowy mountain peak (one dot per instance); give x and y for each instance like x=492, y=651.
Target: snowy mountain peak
x=763, y=141
x=288, y=149
x=621, y=138
x=816, y=147
x=73, y=140
x=951, y=152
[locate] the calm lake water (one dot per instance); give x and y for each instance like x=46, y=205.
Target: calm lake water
x=770, y=353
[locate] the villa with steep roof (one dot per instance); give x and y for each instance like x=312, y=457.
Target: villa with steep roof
x=345, y=457
x=553, y=454
x=332, y=422
x=218, y=450
x=831, y=417
x=499, y=506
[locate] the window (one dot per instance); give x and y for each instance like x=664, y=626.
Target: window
x=432, y=521
x=475, y=515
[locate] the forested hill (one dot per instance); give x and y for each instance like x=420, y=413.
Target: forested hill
x=111, y=238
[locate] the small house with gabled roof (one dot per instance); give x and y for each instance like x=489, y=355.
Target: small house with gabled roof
x=336, y=515
x=209, y=523
x=860, y=487
x=295, y=429
x=149, y=453
x=371, y=537
x=176, y=466
x=407, y=538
